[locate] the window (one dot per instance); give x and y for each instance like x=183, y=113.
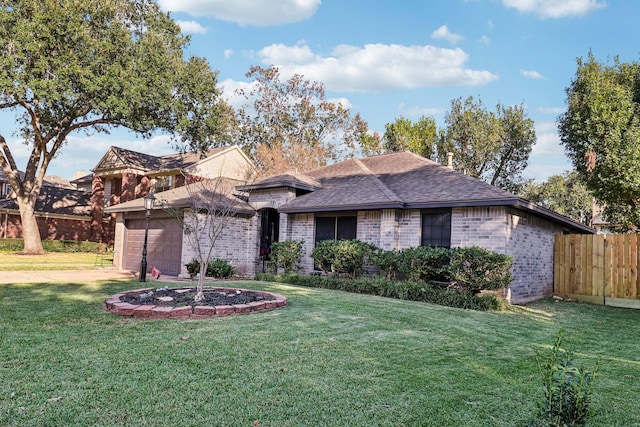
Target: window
x=5, y=189
x=163, y=183
x=336, y=227
x=436, y=228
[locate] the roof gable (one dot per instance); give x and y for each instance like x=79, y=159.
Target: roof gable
x=121, y=158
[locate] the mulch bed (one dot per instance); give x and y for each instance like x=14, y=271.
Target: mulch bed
x=183, y=297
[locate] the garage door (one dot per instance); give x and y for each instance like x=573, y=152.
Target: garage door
x=164, y=246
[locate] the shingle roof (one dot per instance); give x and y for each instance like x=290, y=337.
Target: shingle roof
x=396, y=180
x=299, y=181
x=57, y=200
x=402, y=181
x=49, y=180
x=199, y=194
x=117, y=157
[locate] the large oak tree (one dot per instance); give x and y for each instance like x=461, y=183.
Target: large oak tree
x=601, y=134
x=68, y=66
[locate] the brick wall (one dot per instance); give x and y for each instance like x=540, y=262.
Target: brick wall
x=482, y=226
x=530, y=242
x=525, y=237
x=236, y=243
x=369, y=223
x=52, y=227
x=302, y=227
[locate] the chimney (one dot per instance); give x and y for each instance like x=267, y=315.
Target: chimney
x=450, y=160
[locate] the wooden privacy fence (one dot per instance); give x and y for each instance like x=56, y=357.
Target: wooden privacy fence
x=598, y=268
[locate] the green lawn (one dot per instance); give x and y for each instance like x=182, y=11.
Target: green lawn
x=327, y=359
x=49, y=261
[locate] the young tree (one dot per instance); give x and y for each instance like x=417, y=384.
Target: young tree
x=291, y=125
x=404, y=135
x=494, y=147
x=601, y=134
x=565, y=194
x=69, y=66
x=205, y=209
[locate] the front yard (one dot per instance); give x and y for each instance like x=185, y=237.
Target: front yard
x=327, y=359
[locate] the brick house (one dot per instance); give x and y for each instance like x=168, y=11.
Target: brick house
x=62, y=212
x=394, y=201
x=403, y=200
x=123, y=175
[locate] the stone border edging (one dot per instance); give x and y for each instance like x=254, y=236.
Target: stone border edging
x=114, y=305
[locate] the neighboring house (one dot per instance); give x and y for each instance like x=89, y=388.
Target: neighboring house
x=168, y=248
x=394, y=201
x=123, y=175
x=61, y=211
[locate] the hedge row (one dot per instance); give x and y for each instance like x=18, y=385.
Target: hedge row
x=17, y=245
x=405, y=290
x=471, y=269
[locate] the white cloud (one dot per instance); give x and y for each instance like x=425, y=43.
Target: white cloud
x=229, y=88
x=444, y=33
x=551, y=110
x=247, y=12
x=555, y=8
x=376, y=67
x=228, y=53
x=191, y=27
x=484, y=40
x=547, y=156
x=531, y=74
x=417, y=112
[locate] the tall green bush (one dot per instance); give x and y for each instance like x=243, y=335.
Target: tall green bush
x=286, y=255
x=469, y=270
x=425, y=264
x=475, y=269
x=343, y=257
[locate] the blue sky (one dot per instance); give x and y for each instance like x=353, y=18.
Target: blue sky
x=392, y=58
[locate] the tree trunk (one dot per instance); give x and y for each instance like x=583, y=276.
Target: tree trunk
x=200, y=288
x=30, y=231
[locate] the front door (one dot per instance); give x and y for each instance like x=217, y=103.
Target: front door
x=269, y=231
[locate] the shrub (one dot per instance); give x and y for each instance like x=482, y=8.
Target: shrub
x=16, y=245
x=286, y=255
x=388, y=262
x=406, y=290
x=475, y=269
x=343, y=257
x=218, y=268
x=567, y=390
x=425, y=263
x=193, y=267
